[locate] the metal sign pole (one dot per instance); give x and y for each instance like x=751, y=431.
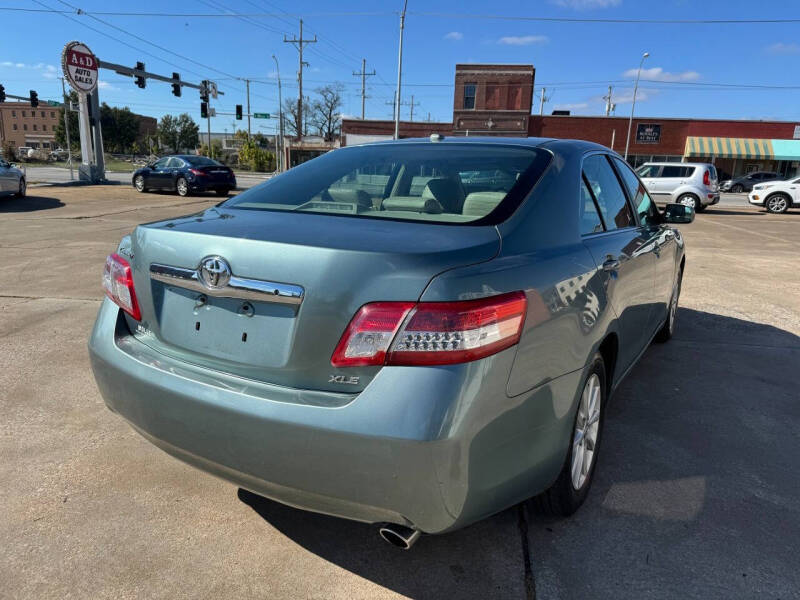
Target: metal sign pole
x=67, y=110
x=99, y=158
x=84, y=130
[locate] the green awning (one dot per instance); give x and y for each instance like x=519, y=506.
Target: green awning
x=723, y=147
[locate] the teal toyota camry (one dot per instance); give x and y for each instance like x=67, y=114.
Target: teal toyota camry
x=415, y=334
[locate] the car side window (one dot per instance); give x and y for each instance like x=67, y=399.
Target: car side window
x=161, y=164
x=175, y=163
x=590, y=218
x=608, y=192
x=644, y=205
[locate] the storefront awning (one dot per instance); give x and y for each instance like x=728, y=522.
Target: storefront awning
x=722, y=147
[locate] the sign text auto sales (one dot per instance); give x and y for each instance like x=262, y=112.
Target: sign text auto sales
x=80, y=67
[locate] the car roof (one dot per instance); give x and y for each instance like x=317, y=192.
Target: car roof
x=530, y=142
x=679, y=164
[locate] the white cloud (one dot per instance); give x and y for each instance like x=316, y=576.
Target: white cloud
x=659, y=74
x=586, y=4
x=571, y=106
x=104, y=85
x=454, y=35
x=6, y=63
x=783, y=48
x=522, y=40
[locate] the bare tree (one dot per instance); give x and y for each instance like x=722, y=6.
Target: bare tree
x=326, y=111
x=290, y=116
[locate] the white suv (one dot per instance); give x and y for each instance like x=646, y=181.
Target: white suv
x=690, y=184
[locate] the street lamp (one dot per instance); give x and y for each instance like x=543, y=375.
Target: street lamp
x=280, y=114
x=633, y=105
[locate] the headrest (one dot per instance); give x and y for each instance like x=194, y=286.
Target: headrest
x=480, y=204
x=446, y=191
x=412, y=204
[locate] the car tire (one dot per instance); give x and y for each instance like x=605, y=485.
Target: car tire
x=182, y=187
x=691, y=201
x=22, y=188
x=668, y=329
x=571, y=488
x=737, y=189
x=777, y=203
x=138, y=184
x=223, y=192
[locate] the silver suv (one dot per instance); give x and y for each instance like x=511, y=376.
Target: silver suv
x=690, y=184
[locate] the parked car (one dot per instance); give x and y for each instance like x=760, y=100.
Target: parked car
x=24, y=152
x=185, y=174
x=776, y=196
x=408, y=354
x=12, y=179
x=58, y=154
x=690, y=184
x=745, y=183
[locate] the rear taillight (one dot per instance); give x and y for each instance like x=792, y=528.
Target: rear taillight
x=707, y=178
x=431, y=333
x=198, y=173
x=118, y=285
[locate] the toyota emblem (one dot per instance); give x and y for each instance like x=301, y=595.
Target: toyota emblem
x=214, y=272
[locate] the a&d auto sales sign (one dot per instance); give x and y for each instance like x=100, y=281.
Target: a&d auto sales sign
x=80, y=67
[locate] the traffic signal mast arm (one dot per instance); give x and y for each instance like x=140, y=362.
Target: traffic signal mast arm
x=134, y=72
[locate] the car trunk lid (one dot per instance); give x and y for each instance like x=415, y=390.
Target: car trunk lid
x=338, y=264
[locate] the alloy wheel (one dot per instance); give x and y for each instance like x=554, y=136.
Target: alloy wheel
x=777, y=204
x=688, y=200
x=183, y=187
x=587, y=427
x=139, y=183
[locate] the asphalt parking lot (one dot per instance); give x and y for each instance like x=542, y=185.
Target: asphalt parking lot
x=697, y=484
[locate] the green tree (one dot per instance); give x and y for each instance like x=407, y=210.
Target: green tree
x=168, y=133
x=120, y=127
x=255, y=157
x=60, y=133
x=188, y=132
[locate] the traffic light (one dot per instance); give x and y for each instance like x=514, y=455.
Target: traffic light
x=2, y=93
x=176, y=87
x=204, y=90
x=140, y=80
x=204, y=110
x=34, y=99
x=239, y=112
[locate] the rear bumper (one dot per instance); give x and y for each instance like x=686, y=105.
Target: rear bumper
x=198, y=185
x=432, y=448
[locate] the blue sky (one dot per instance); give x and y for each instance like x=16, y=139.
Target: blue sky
x=575, y=61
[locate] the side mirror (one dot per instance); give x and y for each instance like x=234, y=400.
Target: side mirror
x=678, y=213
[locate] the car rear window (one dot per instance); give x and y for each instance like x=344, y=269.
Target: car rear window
x=202, y=161
x=455, y=183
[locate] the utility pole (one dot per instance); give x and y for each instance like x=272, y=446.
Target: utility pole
x=412, y=104
x=299, y=43
x=399, y=72
x=67, y=110
x=394, y=105
x=363, y=74
x=633, y=105
x=610, y=106
x=543, y=99
x=248, y=109
x=280, y=115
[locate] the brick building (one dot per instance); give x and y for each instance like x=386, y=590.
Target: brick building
x=496, y=100
x=25, y=126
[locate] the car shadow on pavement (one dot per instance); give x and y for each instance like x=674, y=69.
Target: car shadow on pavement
x=695, y=492
x=28, y=204
x=697, y=483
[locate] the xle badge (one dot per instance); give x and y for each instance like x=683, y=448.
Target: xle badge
x=346, y=379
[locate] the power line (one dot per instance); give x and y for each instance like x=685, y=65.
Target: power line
x=421, y=14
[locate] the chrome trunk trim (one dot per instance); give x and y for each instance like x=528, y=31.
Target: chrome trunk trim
x=257, y=290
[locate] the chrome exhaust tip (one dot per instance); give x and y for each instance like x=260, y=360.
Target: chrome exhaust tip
x=399, y=535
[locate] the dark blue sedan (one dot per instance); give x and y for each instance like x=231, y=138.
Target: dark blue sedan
x=185, y=174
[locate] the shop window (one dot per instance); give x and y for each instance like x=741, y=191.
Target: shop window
x=469, y=95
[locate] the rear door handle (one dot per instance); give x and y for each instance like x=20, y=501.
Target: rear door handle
x=611, y=264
